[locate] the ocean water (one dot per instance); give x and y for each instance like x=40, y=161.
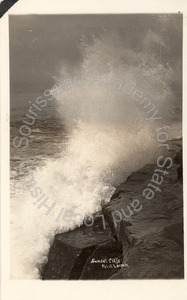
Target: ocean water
x=83, y=144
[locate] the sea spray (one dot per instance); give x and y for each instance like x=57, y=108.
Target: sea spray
x=109, y=139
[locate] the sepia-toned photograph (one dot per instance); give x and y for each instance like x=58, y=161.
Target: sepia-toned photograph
x=96, y=169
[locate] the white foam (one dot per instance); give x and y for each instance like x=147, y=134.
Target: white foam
x=110, y=138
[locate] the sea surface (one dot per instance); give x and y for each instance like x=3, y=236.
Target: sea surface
x=82, y=145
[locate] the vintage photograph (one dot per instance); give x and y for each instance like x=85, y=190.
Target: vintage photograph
x=96, y=170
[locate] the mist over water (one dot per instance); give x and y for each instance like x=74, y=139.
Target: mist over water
x=109, y=138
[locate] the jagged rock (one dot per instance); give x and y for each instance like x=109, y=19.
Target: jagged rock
x=71, y=250
x=159, y=255
x=104, y=252
x=148, y=244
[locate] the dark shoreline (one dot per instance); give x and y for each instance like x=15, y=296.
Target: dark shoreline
x=149, y=244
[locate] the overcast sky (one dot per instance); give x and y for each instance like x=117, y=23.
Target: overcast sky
x=38, y=43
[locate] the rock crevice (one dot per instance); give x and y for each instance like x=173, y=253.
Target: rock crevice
x=149, y=244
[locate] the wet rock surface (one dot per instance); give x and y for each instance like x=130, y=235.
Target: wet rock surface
x=148, y=244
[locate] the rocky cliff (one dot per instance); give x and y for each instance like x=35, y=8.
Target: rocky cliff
x=146, y=245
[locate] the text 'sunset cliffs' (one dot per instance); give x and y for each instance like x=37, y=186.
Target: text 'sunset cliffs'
x=149, y=244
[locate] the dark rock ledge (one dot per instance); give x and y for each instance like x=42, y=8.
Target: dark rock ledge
x=148, y=245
